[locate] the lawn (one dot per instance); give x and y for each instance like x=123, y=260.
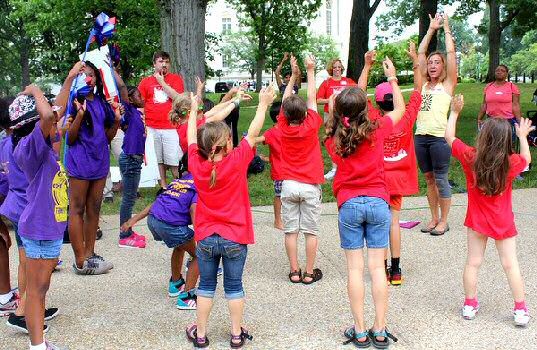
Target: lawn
x=261, y=188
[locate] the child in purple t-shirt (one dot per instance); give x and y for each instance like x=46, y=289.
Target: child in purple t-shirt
x=168, y=220
x=43, y=220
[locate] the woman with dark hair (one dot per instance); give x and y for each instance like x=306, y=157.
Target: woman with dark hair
x=87, y=161
x=501, y=99
x=432, y=151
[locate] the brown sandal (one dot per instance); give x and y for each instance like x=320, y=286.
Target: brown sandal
x=315, y=276
x=296, y=274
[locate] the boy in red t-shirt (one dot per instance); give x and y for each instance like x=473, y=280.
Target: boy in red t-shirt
x=302, y=173
x=399, y=154
x=490, y=169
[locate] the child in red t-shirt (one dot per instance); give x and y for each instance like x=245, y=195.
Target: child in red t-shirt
x=223, y=217
x=399, y=154
x=302, y=173
x=490, y=169
x=355, y=144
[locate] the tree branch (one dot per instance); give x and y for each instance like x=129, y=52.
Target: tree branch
x=510, y=17
x=373, y=8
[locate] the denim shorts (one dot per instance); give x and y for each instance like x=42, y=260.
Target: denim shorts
x=278, y=188
x=173, y=236
x=209, y=252
x=366, y=218
x=42, y=249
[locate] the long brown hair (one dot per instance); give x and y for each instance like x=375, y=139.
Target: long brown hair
x=212, y=139
x=180, y=108
x=350, y=125
x=494, y=145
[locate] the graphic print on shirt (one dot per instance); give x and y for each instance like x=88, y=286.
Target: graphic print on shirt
x=178, y=187
x=393, y=151
x=59, y=194
x=426, y=102
x=159, y=96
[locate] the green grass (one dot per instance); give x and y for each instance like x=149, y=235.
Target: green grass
x=261, y=188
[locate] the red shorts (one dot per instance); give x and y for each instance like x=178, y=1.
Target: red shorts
x=396, y=201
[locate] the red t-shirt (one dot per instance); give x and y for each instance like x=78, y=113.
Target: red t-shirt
x=499, y=99
x=362, y=173
x=273, y=138
x=301, y=150
x=182, y=130
x=399, y=153
x=489, y=215
x=330, y=85
x=157, y=103
x=225, y=208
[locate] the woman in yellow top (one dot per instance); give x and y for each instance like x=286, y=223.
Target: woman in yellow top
x=432, y=150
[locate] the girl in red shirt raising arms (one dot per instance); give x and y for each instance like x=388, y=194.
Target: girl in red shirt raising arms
x=490, y=168
x=355, y=143
x=223, y=217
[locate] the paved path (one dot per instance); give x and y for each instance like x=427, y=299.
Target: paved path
x=129, y=308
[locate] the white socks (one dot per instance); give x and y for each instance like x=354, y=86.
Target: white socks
x=41, y=346
x=5, y=298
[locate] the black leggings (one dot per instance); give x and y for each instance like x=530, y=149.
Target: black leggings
x=232, y=120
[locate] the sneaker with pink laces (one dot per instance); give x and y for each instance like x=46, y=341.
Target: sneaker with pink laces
x=132, y=242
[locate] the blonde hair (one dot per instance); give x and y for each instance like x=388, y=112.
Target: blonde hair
x=212, y=139
x=330, y=66
x=443, y=58
x=180, y=108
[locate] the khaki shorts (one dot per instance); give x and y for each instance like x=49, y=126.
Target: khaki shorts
x=301, y=207
x=167, y=146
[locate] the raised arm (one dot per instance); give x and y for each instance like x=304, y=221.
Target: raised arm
x=295, y=76
x=266, y=97
x=123, y=91
x=167, y=88
x=456, y=107
x=522, y=130
x=278, y=71
x=398, y=100
x=192, y=130
x=74, y=126
x=46, y=114
x=312, y=91
x=118, y=110
x=451, y=64
x=418, y=79
x=63, y=96
x=369, y=59
x=434, y=24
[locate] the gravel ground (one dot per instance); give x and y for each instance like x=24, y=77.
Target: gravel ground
x=129, y=307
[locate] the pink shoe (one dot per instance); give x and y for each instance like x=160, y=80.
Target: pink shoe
x=131, y=242
x=135, y=235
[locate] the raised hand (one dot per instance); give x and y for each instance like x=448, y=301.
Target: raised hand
x=523, y=128
x=159, y=77
x=436, y=22
x=370, y=57
x=193, y=102
x=78, y=68
x=200, y=85
x=457, y=103
x=412, y=52
x=285, y=56
x=294, y=66
x=446, y=22
x=30, y=90
x=309, y=61
x=389, y=69
x=80, y=107
x=267, y=95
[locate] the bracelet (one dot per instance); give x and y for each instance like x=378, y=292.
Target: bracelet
x=416, y=66
x=392, y=78
x=236, y=103
x=448, y=32
x=450, y=51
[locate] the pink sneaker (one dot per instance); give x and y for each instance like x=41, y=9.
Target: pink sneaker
x=136, y=236
x=132, y=242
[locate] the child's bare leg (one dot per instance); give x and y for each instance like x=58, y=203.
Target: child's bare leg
x=355, y=286
x=21, y=282
x=177, y=262
x=477, y=243
x=395, y=234
x=193, y=269
x=278, y=223
x=5, y=283
x=291, y=239
x=379, y=289
x=507, y=252
x=312, y=244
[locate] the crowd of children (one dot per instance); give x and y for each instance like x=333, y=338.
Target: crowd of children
x=374, y=167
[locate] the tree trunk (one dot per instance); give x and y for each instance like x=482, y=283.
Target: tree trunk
x=359, y=37
x=260, y=64
x=183, y=36
x=495, y=34
x=427, y=7
x=25, y=62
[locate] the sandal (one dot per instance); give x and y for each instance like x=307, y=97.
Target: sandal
x=427, y=229
x=237, y=341
x=352, y=337
x=315, y=276
x=295, y=274
x=192, y=335
x=436, y=232
x=381, y=344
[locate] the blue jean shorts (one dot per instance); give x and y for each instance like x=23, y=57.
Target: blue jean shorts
x=42, y=249
x=278, y=188
x=364, y=218
x=173, y=236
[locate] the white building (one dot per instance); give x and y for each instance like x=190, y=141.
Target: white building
x=332, y=19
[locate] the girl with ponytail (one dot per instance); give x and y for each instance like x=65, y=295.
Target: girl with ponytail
x=355, y=143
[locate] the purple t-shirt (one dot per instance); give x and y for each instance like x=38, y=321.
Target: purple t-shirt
x=89, y=157
x=15, y=201
x=45, y=215
x=4, y=184
x=134, y=140
x=173, y=205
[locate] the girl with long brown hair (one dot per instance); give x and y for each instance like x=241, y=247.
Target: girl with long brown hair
x=490, y=168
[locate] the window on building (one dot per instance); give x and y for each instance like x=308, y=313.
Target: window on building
x=226, y=25
x=226, y=59
x=328, y=17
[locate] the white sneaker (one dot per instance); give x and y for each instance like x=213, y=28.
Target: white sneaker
x=469, y=312
x=521, y=318
x=330, y=175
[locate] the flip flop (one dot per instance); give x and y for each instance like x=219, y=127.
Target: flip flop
x=436, y=232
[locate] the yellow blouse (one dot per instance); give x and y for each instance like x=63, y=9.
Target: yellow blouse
x=433, y=114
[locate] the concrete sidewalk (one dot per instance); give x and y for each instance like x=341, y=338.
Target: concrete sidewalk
x=129, y=308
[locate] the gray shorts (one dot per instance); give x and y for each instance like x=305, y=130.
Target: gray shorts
x=166, y=146
x=301, y=207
